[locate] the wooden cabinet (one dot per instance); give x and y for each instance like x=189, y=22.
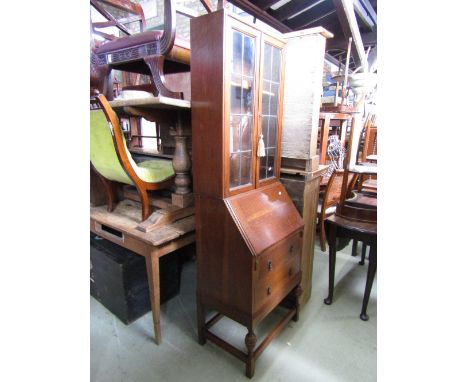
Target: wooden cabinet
x=249, y=234
x=237, y=99
x=300, y=170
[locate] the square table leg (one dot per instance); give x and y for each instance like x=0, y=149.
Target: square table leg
x=152, y=268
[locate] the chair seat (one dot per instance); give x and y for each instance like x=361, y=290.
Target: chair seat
x=370, y=183
x=138, y=39
x=155, y=170
x=363, y=201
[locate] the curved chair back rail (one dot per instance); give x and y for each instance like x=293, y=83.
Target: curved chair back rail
x=113, y=162
x=331, y=198
x=134, y=9
x=133, y=170
x=144, y=53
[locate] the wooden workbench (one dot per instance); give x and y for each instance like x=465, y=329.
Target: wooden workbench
x=119, y=227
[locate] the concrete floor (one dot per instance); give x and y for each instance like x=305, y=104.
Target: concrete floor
x=328, y=343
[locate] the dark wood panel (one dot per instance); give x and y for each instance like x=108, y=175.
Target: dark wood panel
x=305, y=18
x=290, y=9
x=224, y=261
x=207, y=69
x=329, y=22
x=349, y=25
x=261, y=15
x=264, y=4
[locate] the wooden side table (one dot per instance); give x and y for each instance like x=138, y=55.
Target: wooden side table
x=360, y=231
x=119, y=227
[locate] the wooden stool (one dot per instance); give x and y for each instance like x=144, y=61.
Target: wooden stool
x=366, y=232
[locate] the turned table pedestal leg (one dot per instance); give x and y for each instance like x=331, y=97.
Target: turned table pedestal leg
x=182, y=197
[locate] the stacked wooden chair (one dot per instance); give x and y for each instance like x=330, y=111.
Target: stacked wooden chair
x=150, y=51
x=329, y=201
x=356, y=220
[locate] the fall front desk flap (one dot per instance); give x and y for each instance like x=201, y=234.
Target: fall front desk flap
x=264, y=216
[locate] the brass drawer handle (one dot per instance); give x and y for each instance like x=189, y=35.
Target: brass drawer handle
x=268, y=290
x=270, y=265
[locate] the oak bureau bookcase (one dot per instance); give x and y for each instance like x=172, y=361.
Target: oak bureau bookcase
x=249, y=234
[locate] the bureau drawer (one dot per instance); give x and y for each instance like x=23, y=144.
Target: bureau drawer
x=276, y=257
x=271, y=289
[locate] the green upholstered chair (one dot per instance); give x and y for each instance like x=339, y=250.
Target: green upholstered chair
x=113, y=163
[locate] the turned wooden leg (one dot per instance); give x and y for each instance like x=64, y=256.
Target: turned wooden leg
x=363, y=254
x=201, y=321
x=354, y=250
x=331, y=264
x=297, y=295
x=250, y=341
x=181, y=164
x=152, y=269
x=370, y=280
x=156, y=66
x=182, y=196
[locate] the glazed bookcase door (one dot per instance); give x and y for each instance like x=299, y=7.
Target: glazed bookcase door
x=270, y=109
x=241, y=78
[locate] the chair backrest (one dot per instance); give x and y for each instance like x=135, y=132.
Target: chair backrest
x=369, y=133
x=127, y=6
x=108, y=150
x=332, y=193
x=336, y=153
x=136, y=11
